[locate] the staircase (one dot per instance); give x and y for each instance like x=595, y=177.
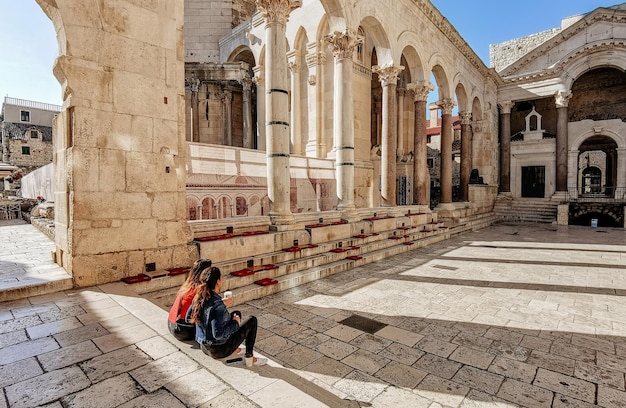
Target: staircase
x=538, y=210
x=288, y=259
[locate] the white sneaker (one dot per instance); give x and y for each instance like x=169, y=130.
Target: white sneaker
x=256, y=361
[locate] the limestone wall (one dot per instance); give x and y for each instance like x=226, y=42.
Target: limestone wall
x=504, y=54
x=119, y=142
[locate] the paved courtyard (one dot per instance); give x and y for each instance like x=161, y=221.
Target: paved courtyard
x=510, y=316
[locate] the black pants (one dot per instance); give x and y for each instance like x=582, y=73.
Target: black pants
x=246, y=332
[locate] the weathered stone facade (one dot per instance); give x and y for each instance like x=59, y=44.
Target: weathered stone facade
x=563, y=107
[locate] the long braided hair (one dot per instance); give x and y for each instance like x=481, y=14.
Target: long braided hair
x=206, y=289
x=193, y=278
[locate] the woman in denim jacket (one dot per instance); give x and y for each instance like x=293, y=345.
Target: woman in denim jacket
x=218, y=332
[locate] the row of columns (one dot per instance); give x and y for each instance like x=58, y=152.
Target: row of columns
x=226, y=99
x=282, y=134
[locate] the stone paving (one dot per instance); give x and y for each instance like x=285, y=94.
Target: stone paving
x=509, y=316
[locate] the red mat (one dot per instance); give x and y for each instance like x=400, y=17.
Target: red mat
x=137, y=278
x=266, y=282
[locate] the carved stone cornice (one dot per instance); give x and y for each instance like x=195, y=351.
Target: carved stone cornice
x=315, y=58
x=388, y=74
x=442, y=23
x=446, y=106
x=342, y=44
x=599, y=15
x=420, y=90
x=562, y=98
x=277, y=11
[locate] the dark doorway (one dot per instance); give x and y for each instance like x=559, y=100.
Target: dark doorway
x=534, y=181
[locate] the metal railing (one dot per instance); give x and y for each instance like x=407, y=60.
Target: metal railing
x=607, y=194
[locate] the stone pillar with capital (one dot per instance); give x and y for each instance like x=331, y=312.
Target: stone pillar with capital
x=421, y=177
x=195, y=110
x=505, y=146
x=388, y=76
x=296, y=107
x=401, y=151
x=260, y=107
x=562, y=101
x=445, y=178
x=343, y=44
x=315, y=60
x=227, y=113
x=248, y=143
x=276, y=13
x=466, y=153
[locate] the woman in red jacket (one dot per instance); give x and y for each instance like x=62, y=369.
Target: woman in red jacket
x=177, y=319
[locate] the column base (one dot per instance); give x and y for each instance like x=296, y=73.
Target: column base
x=282, y=219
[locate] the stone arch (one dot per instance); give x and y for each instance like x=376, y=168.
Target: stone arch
x=462, y=99
x=579, y=62
x=376, y=32
x=208, y=208
x=415, y=66
x=477, y=109
x=193, y=203
x=443, y=84
x=619, y=139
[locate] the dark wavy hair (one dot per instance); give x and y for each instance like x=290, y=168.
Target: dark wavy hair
x=193, y=277
x=205, y=290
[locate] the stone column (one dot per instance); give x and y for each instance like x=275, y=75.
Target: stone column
x=276, y=14
x=227, y=118
x=247, y=113
x=445, y=178
x=420, y=152
x=388, y=76
x=260, y=107
x=315, y=61
x=620, y=183
x=466, y=153
x=505, y=147
x=401, y=151
x=195, y=110
x=296, y=107
x=342, y=44
x=562, y=100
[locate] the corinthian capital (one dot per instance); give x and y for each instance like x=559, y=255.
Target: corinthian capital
x=294, y=66
x=420, y=90
x=342, y=44
x=277, y=11
x=388, y=74
x=446, y=106
x=562, y=98
x=466, y=117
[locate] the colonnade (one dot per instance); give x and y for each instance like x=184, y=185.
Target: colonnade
x=284, y=129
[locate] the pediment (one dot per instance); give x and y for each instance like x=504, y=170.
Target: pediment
x=603, y=28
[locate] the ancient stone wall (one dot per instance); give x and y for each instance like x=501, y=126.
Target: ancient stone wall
x=242, y=11
x=504, y=54
x=205, y=23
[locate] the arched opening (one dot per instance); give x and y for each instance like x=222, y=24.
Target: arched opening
x=597, y=167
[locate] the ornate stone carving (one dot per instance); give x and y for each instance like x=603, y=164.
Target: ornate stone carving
x=388, y=74
x=277, y=11
x=466, y=117
x=420, y=90
x=446, y=106
x=562, y=98
x=343, y=44
x=294, y=66
x=505, y=106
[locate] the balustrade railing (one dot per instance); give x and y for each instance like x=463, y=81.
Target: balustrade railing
x=607, y=194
